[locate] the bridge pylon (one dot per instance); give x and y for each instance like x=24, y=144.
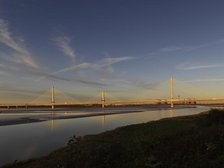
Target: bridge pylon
x=52, y=97
x=171, y=91
x=103, y=99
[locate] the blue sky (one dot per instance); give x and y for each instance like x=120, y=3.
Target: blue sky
x=128, y=47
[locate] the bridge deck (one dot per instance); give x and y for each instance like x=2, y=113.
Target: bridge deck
x=133, y=102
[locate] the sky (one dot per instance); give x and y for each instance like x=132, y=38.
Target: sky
x=129, y=48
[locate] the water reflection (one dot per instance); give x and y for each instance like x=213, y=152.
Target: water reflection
x=52, y=120
x=103, y=117
x=172, y=112
x=103, y=120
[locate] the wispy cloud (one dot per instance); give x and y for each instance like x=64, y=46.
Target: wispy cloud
x=37, y=72
x=206, y=80
x=113, y=60
x=102, y=68
x=174, y=48
x=196, y=67
x=19, y=53
x=64, y=43
x=105, y=62
x=171, y=49
x=77, y=67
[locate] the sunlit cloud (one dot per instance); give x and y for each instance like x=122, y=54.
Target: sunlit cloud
x=197, y=67
x=19, y=52
x=64, y=43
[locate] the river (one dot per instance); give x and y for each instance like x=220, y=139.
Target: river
x=23, y=141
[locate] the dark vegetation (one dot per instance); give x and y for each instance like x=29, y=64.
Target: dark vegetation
x=181, y=142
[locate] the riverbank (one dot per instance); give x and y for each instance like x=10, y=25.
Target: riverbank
x=192, y=141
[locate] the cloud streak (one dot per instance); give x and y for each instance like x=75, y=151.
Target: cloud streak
x=206, y=80
x=113, y=60
x=64, y=43
x=197, y=67
x=104, y=70
x=19, y=61
x=23, y=70
x=19, y=52
x=17, y=55
x=171, y=49
x=105, y=62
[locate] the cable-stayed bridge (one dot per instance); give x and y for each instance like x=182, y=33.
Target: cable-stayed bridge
x=174, y=88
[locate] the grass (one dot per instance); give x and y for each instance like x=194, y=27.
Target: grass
x=186, y=142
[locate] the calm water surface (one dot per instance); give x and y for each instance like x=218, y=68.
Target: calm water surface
x=23, y=141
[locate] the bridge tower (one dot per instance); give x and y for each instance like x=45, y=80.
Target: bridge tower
x=52, y=97
x=171, y=91
x=103, y=99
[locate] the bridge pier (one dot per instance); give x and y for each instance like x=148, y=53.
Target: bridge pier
x=171, y=92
